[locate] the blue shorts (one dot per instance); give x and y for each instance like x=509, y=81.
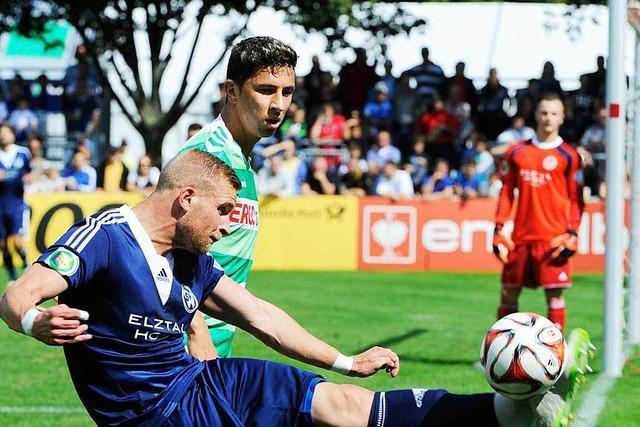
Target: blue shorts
x=246, y=392
x=11, y=218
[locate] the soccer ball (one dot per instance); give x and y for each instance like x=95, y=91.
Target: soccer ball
x=523, y=355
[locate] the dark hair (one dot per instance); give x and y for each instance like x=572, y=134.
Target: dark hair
x=194, y=126
x=256, y=53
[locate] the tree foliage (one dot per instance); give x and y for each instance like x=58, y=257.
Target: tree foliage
x=107, y=28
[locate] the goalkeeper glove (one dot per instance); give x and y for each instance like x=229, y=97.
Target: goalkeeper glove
x=564, y=245
x=501, y=244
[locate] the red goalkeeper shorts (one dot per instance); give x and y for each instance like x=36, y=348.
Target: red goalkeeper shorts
x=530, y=264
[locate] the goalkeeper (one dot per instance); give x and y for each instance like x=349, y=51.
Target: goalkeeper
x=547, y=173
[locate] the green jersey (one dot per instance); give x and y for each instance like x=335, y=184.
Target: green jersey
x=234, y=252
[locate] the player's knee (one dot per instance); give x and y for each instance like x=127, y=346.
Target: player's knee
x=341, y=404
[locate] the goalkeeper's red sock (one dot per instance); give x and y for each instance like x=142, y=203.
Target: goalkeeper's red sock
x=557, y=313
x=506, y=309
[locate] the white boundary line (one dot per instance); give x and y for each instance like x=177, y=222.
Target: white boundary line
x=40, y=410
x=596, y=397
x=593, y=402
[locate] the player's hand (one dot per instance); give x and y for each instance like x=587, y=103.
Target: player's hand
x=502, y=244
x=371, y=361
x=60, y=325
x=564, y=245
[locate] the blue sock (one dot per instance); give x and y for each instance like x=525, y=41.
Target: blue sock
x=402, y=407
x=430, y=408
x=8, y=263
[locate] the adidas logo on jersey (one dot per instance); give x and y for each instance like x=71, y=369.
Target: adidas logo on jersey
x=563, y=276
x=162, y=276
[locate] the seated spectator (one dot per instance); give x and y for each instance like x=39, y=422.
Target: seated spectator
x=328, y=133
x=383, y=152
x=593, y=139
x=355, y=152
x=38, y=164
x=296, y=128
x=193, y=129
x=79, y=176
x=395, y=183
x=485, y=163
x=145, y=178
x=440, y=131
x=353, y=133
x=356, y=181
x=50, y=182
x=492, y=186
x=418, y=164
x=468, y=182
x=294, y=166
x=321, y=180
x=113, y=174
x=517, y=132
x=438, y=185
x=23, y=121
x=378, y=113
x=274, y=180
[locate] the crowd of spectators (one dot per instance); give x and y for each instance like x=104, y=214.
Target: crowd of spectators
x=419, y=135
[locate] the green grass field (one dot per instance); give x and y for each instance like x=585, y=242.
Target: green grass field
x=434, y=321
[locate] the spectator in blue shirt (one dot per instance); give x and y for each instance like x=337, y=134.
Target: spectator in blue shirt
x=79, y=176
x=379, y=113
x=468, y=182
x=439, y=184
x=23, y=121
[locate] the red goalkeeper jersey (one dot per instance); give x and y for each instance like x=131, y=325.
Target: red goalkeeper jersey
x=549, y=180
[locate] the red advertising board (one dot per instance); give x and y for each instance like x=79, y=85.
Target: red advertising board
x=452, y=236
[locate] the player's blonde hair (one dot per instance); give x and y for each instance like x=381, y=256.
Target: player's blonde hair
x=198, y=169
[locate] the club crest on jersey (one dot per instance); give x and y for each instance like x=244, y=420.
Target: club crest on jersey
x=63, y=261
x=549, y=163
x=189, y=300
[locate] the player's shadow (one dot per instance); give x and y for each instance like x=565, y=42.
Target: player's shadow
x=391, y=341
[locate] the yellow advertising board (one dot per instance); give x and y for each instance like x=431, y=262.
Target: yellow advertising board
x=297, y=233
x=53, y=213
x=308, y=233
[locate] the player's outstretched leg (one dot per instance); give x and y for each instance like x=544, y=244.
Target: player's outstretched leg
x=554, y=409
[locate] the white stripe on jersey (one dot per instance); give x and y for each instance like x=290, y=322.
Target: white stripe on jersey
x=81, y=237
x=86, y=241
x=88, y=222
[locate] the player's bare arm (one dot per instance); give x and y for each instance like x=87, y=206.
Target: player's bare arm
x=278, y=330
x=199, y=344
x=57, y=325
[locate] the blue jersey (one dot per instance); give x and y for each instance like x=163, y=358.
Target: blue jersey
x=140, y=303
x=14, y=165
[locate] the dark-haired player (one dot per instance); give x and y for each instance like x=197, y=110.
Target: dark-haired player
x=259, y=88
